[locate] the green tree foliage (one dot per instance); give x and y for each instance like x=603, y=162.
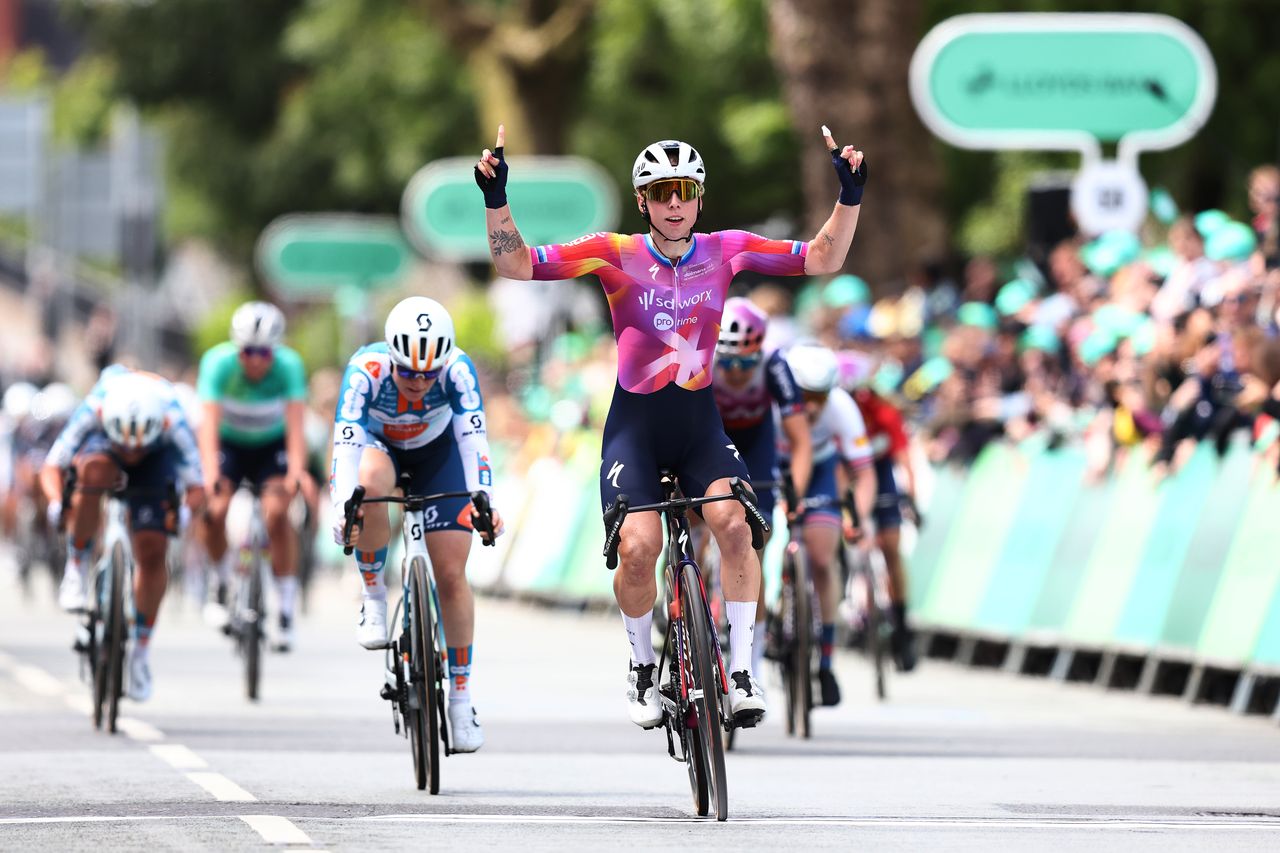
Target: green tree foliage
x=295, y=106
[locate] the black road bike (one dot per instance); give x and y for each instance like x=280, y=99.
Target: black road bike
x=694, y=693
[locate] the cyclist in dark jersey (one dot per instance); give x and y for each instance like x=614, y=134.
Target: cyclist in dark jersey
x=748, y=385
x=666, y=290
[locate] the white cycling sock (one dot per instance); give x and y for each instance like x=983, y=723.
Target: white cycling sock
x=287, y=593
x=757, y=647
x=742, y=623
x=640, y=634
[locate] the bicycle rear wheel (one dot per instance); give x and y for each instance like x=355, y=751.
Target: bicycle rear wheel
x=424, y=732
x=707, y=688
x=800, y=682
x=115, y=638
x=251, y=629
x=876, y=625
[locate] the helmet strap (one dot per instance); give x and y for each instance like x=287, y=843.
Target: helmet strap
x=644, y=212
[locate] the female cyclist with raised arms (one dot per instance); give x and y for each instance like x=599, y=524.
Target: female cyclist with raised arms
x=666, y=290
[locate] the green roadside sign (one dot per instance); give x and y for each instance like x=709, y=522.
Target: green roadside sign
x=554, y=199
x=1063, y=81
x=312, y=255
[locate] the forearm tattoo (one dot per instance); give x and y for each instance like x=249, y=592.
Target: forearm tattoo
x=826, y=238
x=505, y=242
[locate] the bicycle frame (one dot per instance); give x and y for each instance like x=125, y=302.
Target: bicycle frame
x=115, y=529
x=255, y=544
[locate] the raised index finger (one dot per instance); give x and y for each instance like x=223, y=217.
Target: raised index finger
x=502, y=136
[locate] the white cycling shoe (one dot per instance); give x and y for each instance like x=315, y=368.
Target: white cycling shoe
x=746, y=699
x=465, y=733
x=371, y=631
x=642, y=696
x=139, y=677
x=71, y=593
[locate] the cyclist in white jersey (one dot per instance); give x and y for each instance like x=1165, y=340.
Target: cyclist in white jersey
x=841, y=451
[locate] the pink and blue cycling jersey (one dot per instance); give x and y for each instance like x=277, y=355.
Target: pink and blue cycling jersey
x=666, y=315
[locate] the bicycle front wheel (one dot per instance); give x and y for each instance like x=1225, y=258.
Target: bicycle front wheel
x=113, y=649
x=876, y=626
x=800, y=664
x=424, y=669
x=251, y=629
x=707, y=688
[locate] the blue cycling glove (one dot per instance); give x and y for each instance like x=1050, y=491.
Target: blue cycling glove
x=851, y=182
x=495, y=188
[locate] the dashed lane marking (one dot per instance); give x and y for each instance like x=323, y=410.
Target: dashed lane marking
x=138, y=729
x=275, y=829
x=222, y=788
x=37, y=680
x=177, y=755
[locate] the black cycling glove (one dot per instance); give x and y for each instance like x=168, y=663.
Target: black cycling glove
x=495, y=188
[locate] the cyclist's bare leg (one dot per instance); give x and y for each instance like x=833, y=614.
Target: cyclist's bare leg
x=820, y=542
x=150, y=577
x=635, y=584
x=739, y=575
x=887, y=540
x=284, y=544
x=378, y=476
x=95, y=471
x=639, y=545
x=448, y=550
x=214, y=529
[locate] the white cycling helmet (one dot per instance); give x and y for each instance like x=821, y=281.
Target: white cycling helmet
x=132, y=412
x=18, y=398
x=741, y=328
x=814, y=367
x=257, y=324
x=419, y=333
x=55, y=402
x=654, y=163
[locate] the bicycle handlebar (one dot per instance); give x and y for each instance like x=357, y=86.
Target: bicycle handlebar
x=617, y=513
x=479, y=502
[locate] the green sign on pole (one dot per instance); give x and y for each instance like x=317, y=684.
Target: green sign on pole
x=1063, y=81
x=317, y=254
x=554, y=199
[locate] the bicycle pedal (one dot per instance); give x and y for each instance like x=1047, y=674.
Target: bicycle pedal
x=747, y=719
x=387, y=692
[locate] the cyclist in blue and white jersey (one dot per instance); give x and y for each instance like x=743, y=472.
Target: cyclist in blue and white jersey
x=129, y=424
x=413, y=405
x=841, y=451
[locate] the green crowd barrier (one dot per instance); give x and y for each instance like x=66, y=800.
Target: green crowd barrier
x=1021, y=545
x=1052, y=482
x=1249, y=584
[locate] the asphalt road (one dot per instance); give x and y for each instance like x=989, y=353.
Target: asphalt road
x=956, y=760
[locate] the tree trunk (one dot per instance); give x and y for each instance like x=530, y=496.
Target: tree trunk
x=845, y=65
x=527, y=64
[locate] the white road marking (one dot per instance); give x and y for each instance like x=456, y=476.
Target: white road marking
x=139, y=730
x=177, y=755
x=96, y=818
x=275, y=829
x=1082, y=823
x=221, y=787
x=37, y=680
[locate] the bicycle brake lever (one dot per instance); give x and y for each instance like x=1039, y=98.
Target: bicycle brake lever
x=483, y=518
x=755, y=520
x=349, y=508
x=614, y=516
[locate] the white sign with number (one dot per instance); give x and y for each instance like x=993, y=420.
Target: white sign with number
x=1108, y=196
